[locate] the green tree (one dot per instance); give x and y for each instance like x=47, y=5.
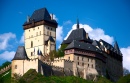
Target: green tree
x=52, y=55
x=5, y=64
x=61, y=50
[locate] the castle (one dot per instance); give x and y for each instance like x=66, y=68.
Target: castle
x=83, y=56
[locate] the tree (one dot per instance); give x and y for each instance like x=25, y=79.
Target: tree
x=125, y=71
x=61, y=50
x=53, y=54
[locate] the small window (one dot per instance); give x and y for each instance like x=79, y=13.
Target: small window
x=77, y=58
x=48, y=27
x=82, y=64
x=15, y=66
x=29, y=30
x=88, y=65
x=82, y=58
x=69, y=58
x=92, y=65
x=40, y=32
x=47, y=32
x=33, y=29
x=50, y=33
x=51, y=28
x=78, y=63
x=31, y=53
x=38, y=27
x=31, y=44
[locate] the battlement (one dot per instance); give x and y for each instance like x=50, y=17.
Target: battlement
x=5, y=69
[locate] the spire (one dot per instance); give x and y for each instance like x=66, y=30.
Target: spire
x=77, y=23
x=116, y=47
x=28, y=18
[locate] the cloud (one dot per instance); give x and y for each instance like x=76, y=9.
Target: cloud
x=59, y=33
x=7, y=55
x=95, y=34
x=22, y=39
x=54, y=17
x=4, y=40
x=126, y=57
x=67, y=22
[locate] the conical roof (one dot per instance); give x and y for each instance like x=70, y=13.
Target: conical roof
x=20, y=54
x=116, y=47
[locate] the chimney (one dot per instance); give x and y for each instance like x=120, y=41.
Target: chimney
x=51, y=16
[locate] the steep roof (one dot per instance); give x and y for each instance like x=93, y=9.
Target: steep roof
x=77, y=34
x=107, y=45
x=40, y=14
x=51, y=39
x=83, y=46
x=116, y=47
x=20, y=54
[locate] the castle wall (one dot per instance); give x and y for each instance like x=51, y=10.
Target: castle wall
x=22, y=66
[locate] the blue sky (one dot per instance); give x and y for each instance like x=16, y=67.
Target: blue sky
x=106, y=19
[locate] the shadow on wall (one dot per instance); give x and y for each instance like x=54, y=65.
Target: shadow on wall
x=48, y=70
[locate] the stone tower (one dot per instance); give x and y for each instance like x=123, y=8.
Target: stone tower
x=40, y=33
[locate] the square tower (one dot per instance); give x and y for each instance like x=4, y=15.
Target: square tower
x=40, y=33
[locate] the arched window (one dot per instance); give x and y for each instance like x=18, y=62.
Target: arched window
x=31, y=44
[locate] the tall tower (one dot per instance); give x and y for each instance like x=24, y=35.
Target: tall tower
x=40, y=33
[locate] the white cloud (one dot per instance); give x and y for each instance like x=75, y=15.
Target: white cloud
x=95, y=34
x=7, y=55
x=4, y=39
x=67, y=22
x=22, y=39
x=59, y=33
x=126, y=57
x=54, y=17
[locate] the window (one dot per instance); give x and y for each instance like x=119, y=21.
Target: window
x=77, y=58
x=29, y=30
x=82, y=64
x=33, y=29
x=48, y=27
x=31, y=44
x=88, y=65
x=15, y=66
x=82, y=58
x=92, y=65
x=38, y=27
x=69, y=58
x=50, y=33
x=78, y=63
x=40, y=32
x=47, y=32
x=91, y=60
x=51, y=28
x=31, y=53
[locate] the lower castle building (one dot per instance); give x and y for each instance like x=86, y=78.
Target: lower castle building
x=83, y=56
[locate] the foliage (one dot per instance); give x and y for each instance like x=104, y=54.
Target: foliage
x=125, y=71
x=124, y=79
x=53, y=54
x=61, y=50
x=6, y=78
x=5, y=64
x=102, y=80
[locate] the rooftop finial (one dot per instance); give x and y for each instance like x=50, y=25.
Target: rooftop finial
x=77, y=23
x=28, y=18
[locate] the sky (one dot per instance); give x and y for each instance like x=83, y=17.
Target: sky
x=102, y=19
